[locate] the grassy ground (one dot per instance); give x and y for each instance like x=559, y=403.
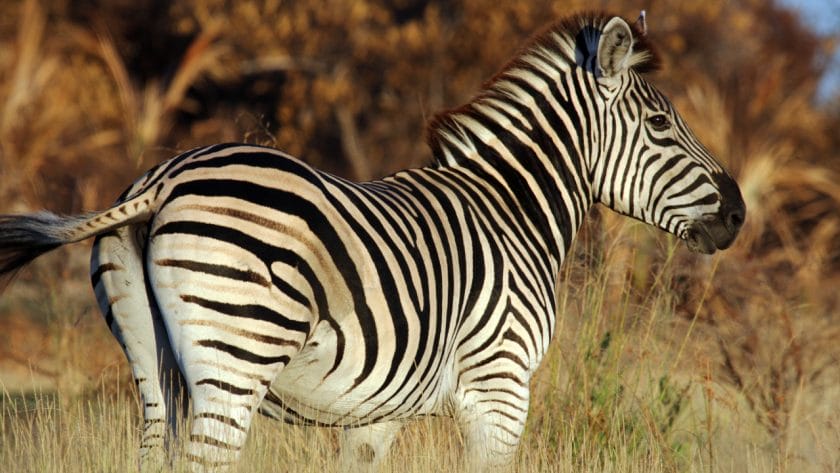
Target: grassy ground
x=48, y=433
x=626, y=387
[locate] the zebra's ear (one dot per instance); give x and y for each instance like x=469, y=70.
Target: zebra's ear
x=615, y=47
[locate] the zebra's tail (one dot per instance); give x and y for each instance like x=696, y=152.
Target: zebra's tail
x=25, y=237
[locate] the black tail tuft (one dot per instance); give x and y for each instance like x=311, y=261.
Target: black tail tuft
x=23, y=238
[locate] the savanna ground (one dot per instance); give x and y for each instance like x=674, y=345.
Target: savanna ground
x=663, y=361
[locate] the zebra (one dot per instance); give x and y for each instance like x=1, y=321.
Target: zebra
x=239, y=279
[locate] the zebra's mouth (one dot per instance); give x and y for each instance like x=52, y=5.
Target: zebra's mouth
x=698, y=240
x=711, y=235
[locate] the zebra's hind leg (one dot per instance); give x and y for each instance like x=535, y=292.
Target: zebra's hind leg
x=228, y=370
x=118, y=278
x=233, y=333
x=364, y=448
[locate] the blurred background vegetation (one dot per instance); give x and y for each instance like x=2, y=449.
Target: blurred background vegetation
x=93, y=93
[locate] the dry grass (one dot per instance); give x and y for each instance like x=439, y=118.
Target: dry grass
x=624, y=388
x=664, y=360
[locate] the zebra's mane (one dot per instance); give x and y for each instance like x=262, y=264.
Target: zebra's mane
x=569, y=43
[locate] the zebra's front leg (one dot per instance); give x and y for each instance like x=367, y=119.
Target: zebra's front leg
x=364, y=448
x=492, y=420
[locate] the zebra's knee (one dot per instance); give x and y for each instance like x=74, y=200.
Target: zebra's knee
x=365, y=447
x=214, y=444
x=365, y=453
x=153, y=456
x=359, y=457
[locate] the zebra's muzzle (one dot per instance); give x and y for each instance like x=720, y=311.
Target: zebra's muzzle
x=718, y=231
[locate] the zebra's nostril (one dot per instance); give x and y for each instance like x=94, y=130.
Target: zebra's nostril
x=735, y=219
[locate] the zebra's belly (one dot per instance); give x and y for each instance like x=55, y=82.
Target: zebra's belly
x=315, y=390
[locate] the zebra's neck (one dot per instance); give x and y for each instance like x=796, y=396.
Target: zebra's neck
x=524, y=133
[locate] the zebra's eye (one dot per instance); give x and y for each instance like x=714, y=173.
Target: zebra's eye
x=659, y=122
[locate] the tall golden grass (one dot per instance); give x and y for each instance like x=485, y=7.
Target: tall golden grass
x=623, y=389
x=663, y=361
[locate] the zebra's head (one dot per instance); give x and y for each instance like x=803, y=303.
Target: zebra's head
x=648, y=164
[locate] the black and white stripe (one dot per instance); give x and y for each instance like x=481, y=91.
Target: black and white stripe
x=239, y=278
